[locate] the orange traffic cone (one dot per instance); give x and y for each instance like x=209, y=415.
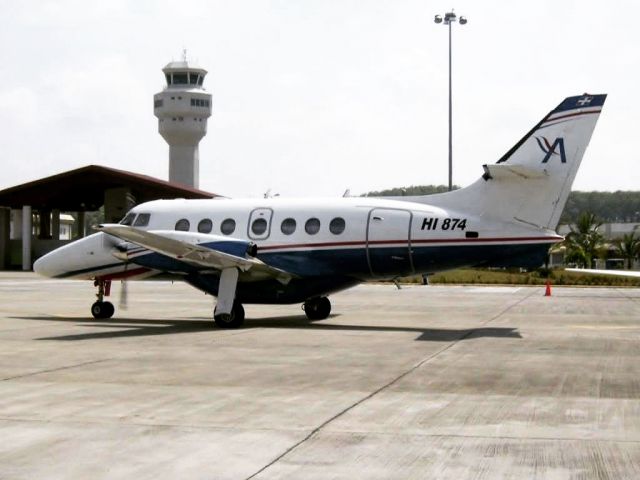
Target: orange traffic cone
x=547, y=291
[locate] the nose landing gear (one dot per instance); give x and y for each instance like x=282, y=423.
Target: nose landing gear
x=101, y=309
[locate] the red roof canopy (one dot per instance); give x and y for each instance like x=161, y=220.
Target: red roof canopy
x=83, y=189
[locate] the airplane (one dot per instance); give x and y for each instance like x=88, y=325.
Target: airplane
x=284, y=251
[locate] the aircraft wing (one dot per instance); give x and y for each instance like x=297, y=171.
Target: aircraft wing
x=193, y=254
x=619, y=273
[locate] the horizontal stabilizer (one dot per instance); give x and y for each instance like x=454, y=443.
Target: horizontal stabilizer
x=506, y=171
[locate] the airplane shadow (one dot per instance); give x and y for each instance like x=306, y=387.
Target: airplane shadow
x=129, y=327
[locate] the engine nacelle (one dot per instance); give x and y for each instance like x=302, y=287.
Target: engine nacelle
x=229, y=245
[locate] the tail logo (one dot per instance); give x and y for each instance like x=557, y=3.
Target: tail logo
x=555, y=148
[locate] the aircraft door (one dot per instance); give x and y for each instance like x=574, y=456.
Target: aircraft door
x=259, y=223
x=388, y=243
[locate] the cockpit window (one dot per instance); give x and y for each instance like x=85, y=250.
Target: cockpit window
x=128, y=219
x=142, y=220
x=182, y=225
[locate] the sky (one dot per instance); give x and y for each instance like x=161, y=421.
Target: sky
x=313, y=97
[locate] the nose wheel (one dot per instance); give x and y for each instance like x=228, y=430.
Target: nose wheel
x=317, y=308
x=101, y=309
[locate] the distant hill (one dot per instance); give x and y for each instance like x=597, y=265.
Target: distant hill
x=617, y=206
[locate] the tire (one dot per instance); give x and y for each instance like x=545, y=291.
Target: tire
x=317, y=308
x=235, y=319
x=96, y=310
x=102, y=310
x=109, y=309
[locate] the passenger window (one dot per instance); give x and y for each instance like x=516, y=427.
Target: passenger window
x=182, y=225
x=205, y=225
x=312, y=226
x=142, y=220
x=337, y=226
x=259, y=226
x=288, y=226
x=228, y=226
x=128, y=219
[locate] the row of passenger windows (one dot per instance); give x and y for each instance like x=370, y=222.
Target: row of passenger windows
x=259, y=226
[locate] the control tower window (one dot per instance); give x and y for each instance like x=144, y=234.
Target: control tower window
x=200, y=80
x=168, y=77
x=193, y=78
x=180, y=78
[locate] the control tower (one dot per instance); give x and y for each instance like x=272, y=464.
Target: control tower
x=183, y=108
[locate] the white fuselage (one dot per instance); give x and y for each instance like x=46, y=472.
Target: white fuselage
x=346, y=239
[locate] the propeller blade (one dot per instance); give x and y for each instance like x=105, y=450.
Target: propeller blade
x=124, y=294
x=124, y=290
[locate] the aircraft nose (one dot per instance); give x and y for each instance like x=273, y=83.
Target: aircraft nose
x=48, y=265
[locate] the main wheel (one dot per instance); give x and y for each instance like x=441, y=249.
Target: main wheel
x=317, y=308
x=234, y=319
x=101, y=310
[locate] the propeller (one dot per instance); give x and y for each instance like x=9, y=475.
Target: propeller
x=124, y=290
x=120, y=252
x=124, y=294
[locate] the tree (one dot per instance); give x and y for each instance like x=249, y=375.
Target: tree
x=628, y=247
x=584, y=241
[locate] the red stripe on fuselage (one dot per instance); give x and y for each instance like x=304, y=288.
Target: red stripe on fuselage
x=507, y=240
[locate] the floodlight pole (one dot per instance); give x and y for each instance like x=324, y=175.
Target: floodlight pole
x=449, y=18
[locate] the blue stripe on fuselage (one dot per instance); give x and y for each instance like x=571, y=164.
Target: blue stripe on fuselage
x=385, y=261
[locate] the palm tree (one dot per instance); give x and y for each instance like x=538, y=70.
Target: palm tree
x=584, y=241
x=628, y=247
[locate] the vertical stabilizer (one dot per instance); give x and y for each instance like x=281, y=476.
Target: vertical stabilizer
x=531, y=182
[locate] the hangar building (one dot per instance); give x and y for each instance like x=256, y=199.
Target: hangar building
x=30, y=213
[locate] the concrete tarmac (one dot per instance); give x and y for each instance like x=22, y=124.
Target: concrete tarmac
x=424, y=382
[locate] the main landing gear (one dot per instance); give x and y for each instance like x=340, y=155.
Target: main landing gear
x=317, y=308
x=234, y=319
x=101, y=309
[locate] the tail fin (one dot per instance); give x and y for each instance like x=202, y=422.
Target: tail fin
x=531, y=182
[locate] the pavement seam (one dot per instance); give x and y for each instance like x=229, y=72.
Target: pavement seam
x=628, y=297
x=67, y=367
x=384, y=387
